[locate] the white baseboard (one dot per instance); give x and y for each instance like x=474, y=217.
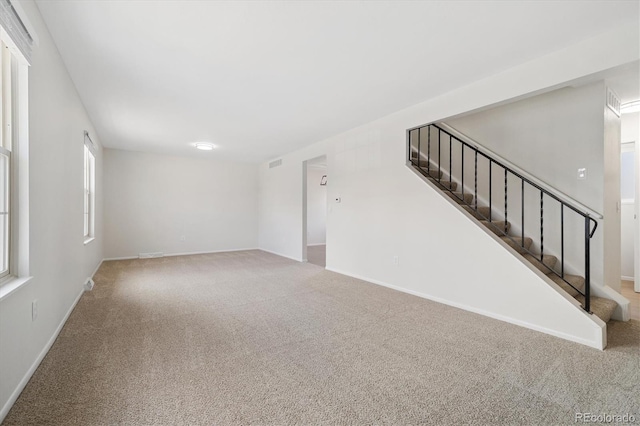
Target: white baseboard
x=190, y=253
x=625, y=278
x=318, y=244
x=16, y=393
x=282, y=255
x=108, y=259
x=597, y=343
x=96, y=270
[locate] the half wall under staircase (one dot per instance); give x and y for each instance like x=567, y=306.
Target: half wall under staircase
x=550, y=232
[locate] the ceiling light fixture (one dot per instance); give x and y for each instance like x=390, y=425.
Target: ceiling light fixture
x=205, y=146
x=630, y=107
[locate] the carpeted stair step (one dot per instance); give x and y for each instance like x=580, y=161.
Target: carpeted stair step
x=448, y=184
x=548, y=260
x=499, y=227
x=575, y=280
x=516, y=243
x=432, y=173
x=481, y=214
x=459, y=198
x=601, y=307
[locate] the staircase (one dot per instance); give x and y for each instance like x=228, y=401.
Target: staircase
x=431, y=153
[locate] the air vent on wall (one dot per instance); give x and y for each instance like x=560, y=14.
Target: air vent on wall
x=275, y=163
x=613, y=102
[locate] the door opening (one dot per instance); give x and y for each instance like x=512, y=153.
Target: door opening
x=315, y=181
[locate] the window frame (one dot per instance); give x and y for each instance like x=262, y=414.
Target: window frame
x=89, y=189
x=8, y=119
x=17, y=182
x=8, y=191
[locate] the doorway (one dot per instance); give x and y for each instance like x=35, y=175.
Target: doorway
x=629, y=227
x=315, y=211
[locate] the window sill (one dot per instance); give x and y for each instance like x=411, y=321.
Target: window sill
x=11, y=285
x=88, y=240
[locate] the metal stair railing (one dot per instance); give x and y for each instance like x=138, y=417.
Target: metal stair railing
x=590, y=224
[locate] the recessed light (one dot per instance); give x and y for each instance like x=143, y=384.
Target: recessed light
x=205, y=146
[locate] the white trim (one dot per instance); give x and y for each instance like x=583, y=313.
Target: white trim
x=190, y=253
x=24, y=17
x=12, y=284
x=96, y=270
x=16, y=393
x=314, y=245
x=88, y=240
x=107, y=259
x=625, y=278
x=597, y=343
x=282, y=255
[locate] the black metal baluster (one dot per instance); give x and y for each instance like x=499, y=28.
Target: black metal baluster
x=439, y=150
x=541, y=224
x=562, y=240
x=419, y=148
x=490, y=186
x=522, y=212
x=450, y=152
x=462, y=185
x=505, y=194
x=429, y=151
x=475, y=177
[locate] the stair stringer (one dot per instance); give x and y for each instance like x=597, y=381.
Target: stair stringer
x=526, y=297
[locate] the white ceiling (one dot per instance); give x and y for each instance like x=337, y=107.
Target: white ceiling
x=260, y=79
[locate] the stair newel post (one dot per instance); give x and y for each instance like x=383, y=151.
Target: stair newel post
x=541, y=225
x=587, y=265
x=522, y=210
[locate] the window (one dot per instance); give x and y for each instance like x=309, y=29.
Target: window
x=6, y=142
x=89, y=187
x=15, y=53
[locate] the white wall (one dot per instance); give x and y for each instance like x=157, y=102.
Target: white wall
x=387, y=211
x=549, y=136
x=153, y=201
x=316, y=206
x=58, y=259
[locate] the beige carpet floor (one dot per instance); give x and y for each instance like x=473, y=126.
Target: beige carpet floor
x=253, y=338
